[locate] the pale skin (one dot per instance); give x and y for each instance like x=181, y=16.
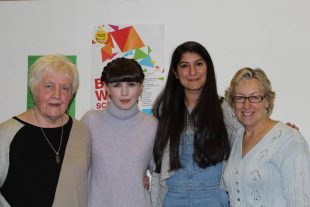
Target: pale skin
x=253, y=116
x=52, y=97
x=124, y=94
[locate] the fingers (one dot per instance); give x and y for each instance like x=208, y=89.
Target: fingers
x=292, y=125
x=146, y=182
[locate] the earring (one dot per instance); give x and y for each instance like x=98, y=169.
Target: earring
x=109, y=99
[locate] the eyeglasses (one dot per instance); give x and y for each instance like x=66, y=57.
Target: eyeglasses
x=252, y=99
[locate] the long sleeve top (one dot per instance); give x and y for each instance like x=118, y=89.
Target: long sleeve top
x=158, y=183
x=122, y=144
x=274, y=173
x=71, y=189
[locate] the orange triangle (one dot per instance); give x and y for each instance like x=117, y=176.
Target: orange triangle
x=133, y=40
x=106, y=52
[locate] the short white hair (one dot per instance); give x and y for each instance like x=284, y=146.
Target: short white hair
x=56, y=63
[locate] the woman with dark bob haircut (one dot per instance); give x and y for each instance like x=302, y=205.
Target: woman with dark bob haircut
x=122, y=70
x=191, y=141
x=122, y=140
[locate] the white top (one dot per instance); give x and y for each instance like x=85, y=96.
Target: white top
x=274, y=173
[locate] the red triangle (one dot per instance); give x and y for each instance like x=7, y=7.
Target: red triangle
x=121, y=36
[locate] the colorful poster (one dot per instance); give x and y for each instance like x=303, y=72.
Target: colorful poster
x=144, y=43
x=30, y=101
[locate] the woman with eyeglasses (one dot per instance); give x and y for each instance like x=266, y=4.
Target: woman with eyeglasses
x=269, y=164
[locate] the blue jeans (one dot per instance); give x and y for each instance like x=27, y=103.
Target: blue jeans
x=193, y=186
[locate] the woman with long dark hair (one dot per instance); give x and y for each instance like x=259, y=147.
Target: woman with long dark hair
x=192, y=139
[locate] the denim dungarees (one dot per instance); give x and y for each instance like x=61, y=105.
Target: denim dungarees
x=193, y=186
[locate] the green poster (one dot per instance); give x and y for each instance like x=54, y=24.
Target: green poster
x=30, y=101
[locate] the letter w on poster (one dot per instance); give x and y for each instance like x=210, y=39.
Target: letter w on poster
x=144, y=43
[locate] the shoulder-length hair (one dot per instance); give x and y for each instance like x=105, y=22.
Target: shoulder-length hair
x=211, y=143
x=264, y=84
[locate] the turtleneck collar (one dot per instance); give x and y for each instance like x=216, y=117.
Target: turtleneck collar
x=122, y=114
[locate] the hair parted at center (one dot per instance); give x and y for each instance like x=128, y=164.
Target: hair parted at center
x=122, y=70
x=211, y=144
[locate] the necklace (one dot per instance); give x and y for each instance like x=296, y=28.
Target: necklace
x=62, y=130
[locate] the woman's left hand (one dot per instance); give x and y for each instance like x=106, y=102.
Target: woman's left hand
x=292, y=125
x=146, y=182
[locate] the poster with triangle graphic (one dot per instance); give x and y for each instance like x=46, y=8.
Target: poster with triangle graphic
x=142, y=42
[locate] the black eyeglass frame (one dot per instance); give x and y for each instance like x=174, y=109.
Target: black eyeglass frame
x=252, y=99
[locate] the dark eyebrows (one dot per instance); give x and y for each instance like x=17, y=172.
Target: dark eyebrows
x=200, y=59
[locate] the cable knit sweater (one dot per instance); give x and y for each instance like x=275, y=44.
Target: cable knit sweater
x=122, y=144
x=274, y=173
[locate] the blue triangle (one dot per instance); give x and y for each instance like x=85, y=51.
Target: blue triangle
x=147, y=62
x=130, y=52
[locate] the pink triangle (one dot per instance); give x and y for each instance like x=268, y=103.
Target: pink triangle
x=114, y=27
x=111, y=57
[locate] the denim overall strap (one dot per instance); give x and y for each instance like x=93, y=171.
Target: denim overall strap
x=192, y=185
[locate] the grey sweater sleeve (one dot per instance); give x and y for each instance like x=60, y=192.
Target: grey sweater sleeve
x=231, y=122
x=8, y=129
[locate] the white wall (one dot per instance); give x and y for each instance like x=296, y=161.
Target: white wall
x=273, y=35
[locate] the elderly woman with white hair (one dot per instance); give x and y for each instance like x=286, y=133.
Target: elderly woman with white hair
x=45, y=153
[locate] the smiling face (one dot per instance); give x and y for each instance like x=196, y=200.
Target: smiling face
x=124, y=94
x=250, y=114
x=53, y=95
x=192, y=72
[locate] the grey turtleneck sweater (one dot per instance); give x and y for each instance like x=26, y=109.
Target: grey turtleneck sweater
x=122, y=145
